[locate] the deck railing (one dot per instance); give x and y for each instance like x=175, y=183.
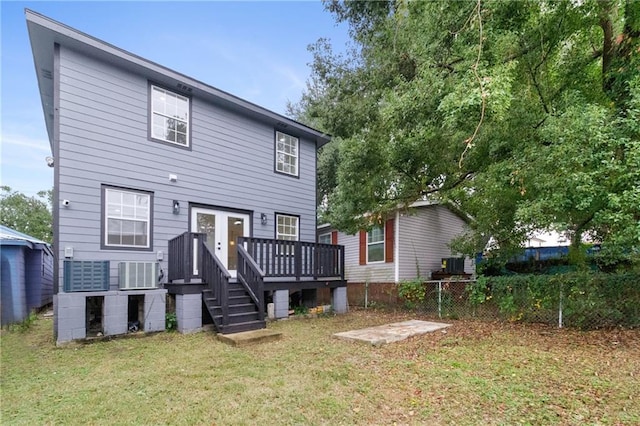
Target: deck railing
x=252, y=279
x=182, y=258
x=274, y=258
x=296, y=259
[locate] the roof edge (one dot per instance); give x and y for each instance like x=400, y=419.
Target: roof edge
x=34, y=17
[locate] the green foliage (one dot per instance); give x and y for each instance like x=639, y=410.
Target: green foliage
x=29, y=215
x=300, y=310
x=588, y=300
x=524, y=115
x=412, y=292
x=171, y=321
x=25, y=324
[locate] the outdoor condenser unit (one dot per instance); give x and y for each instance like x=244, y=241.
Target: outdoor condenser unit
x=453, y=265
x=138, y=275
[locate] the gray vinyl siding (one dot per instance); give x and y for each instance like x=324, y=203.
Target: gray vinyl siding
x=104, y=140
x=424, y=237
x=356, y=273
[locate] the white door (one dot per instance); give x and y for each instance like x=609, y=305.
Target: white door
x=222, y=229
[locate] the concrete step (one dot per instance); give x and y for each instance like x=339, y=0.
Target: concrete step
x=229, y=331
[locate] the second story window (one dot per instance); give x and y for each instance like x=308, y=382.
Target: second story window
x=286, y=154
x=169, y=116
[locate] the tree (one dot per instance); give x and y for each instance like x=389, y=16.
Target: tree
x=30, y=215
x=522, y=114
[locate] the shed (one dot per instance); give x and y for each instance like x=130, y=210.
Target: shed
x=26, y=272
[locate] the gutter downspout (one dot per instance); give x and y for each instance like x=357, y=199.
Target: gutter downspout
x=396, y=248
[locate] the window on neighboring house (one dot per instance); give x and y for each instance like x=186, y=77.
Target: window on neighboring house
x=324, y=238
x=169, y=116
x=375, y=245
x=287, y=154
x=127, y=218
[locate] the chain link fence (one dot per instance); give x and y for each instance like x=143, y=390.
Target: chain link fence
x=586, y=301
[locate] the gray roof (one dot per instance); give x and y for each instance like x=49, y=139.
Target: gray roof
x=10, y=237
x=44, y=33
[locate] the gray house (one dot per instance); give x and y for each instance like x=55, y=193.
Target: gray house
x=409, y=245
x=168, y=188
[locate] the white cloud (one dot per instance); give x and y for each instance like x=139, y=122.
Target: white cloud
x=23, y=141
x=23, y=163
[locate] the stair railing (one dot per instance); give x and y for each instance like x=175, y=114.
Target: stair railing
x=251, y=277
x=182, y=258
x=217, y=277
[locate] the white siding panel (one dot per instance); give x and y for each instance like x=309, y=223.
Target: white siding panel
x=356, y=273
x=424, y=239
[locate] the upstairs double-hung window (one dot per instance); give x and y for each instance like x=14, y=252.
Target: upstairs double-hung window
x=287, y=154
x=169, y=117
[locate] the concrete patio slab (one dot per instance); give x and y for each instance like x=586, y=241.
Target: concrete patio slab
x=389, y=333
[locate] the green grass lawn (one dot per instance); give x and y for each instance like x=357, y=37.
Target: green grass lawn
x=474, y=373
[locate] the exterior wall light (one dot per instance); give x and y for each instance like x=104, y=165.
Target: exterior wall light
x=176, y=207
x=263, y=218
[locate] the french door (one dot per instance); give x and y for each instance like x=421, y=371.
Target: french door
x=222, y=229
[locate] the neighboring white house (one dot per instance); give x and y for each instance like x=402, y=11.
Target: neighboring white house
x=547, y=239
x=409, y=245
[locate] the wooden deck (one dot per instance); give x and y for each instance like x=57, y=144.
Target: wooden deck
x=264, y=265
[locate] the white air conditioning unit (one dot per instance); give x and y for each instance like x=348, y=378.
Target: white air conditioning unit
x=138, y=275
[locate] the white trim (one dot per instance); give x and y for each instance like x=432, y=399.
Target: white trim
x=287, y=156
x=396, y=248
x=165, y=115
x=423, y=203
x=220, y=244
x=323, y=234
x=107, y=217
x=278, y=215
x=384, y=248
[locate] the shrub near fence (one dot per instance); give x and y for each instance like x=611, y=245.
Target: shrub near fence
x=584, y=300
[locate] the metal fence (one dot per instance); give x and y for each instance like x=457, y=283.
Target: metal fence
x=539, y=299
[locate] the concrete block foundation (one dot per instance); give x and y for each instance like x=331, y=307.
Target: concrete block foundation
x=281, y=303
x=339, y=302
x=189, y=312
x=85, y=314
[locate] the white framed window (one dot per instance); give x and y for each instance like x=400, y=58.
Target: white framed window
x=169, y=116
x=287, y=154
x=324, y=238
x=287, y=227
x=127, y=218
x=375, y=245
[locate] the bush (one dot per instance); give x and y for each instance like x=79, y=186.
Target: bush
x=589, y=300
x=412, y=292
x=171, y=321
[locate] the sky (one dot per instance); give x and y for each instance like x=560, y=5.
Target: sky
x=256, y=50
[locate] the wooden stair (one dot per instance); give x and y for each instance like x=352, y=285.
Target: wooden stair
x=243, y=313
